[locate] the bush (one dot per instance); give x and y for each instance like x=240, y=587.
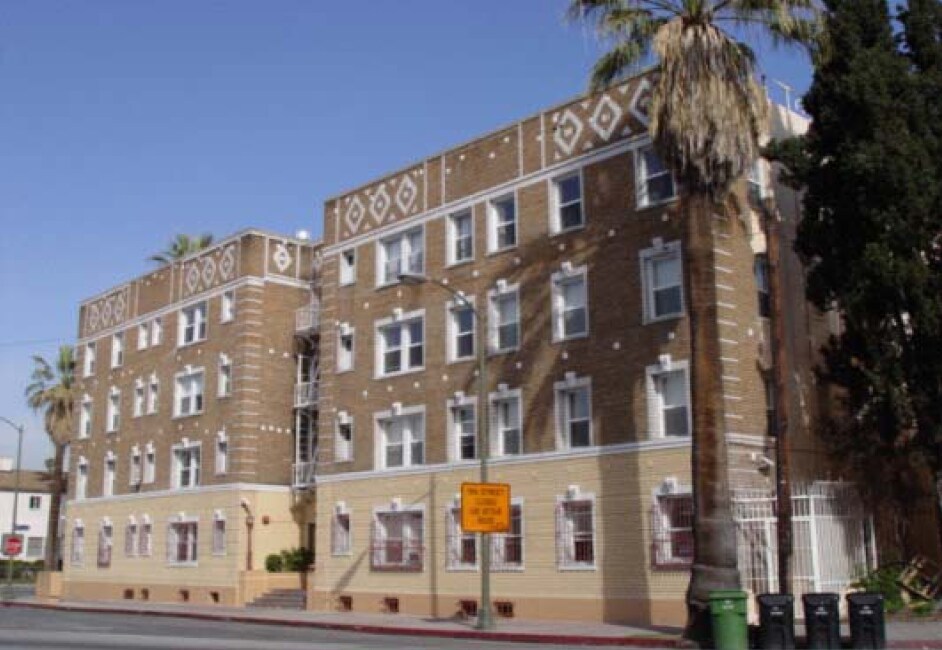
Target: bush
x=274, y=563
x=297, y=559
x=884, y=581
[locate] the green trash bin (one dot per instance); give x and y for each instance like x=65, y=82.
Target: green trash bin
x=728, y=611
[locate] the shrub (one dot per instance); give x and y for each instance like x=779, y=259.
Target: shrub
x=297, y=559
x=884, y=581
x=274, y=563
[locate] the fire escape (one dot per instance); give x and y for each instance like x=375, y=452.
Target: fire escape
x=307, y=333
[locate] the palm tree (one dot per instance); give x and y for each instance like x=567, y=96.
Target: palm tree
x=181, y=246
x=707, y=115
x=51, y=392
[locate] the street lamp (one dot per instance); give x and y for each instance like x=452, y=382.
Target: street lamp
x=485, y=620
x=16, y=498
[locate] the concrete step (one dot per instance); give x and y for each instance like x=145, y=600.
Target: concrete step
x=281, y=599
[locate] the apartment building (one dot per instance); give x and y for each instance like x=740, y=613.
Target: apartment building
x=180, y=477
x=563, y=230
x=32, y=508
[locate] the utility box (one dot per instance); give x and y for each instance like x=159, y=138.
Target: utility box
x=822, y=620
x=776, y=621
x=867, y=622
x=728, y=612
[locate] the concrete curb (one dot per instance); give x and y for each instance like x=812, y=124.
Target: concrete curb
x=478, y=635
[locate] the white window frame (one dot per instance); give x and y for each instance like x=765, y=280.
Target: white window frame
x=131, y=532
x=568, y=275
x=341, y=539
x=457, y=539
x=90, y=359
x=173, y=544
x=81, y=479
x=557, y=205
x=139, y=398
x=493, y=225
x=221, y=455
x=109, y=475
x=455, y=433
x=410, y=436
x=146, y=537
x=35, y=502
x=136, y=473
x=343, y=449
x=192, y=319
x=117, y=349
x=452, y=308
x=642, y=178
x=150, y=464
x=182, y=392
x=564, y=419
x=454, y=247
x=181, y=453
x=227, y=306
x=345, y=360
x=220, y=533
x=143, y=334
x=85, y=417
x=499, y=562
x=406, y=344
x=756, y=183
x=156, y=331
x=496, y=428
x=410, y=540
x=566, y=537
x=648, y=257
x=113, y=422
x=653, y=375
x=664, y=530
x=409, y=260
x=153, y=394
x=347, y=267
x=77, y=550
x=224, y=376
x=105, y=543
x=502, y=290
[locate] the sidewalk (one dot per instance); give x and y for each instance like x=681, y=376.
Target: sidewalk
x=908, y=635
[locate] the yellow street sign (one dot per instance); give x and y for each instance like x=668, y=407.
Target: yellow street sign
x=485, y=507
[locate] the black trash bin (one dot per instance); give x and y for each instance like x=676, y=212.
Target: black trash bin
x=867, y=624
x=776, y=621
x=822, y=621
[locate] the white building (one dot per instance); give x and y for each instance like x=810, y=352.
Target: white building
x=32, y=514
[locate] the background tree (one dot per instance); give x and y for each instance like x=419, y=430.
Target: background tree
x=181, y=246
x=871, y=237
x=707, y=115
x=51, y=392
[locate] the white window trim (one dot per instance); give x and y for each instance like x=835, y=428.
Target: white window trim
x=148, y=550
x=77, y=559
x=140, y=398
x=560, y=388
x=156, y=331
x=117, y=349
x=221, y=461
x=647, y=257
x=200, y=306
x=143, y=336
x=81, y=479
x=343, y=418
x=153, y=394
x=183, y=518
x=395, y=508
x=492, y=313
x=654, y=400
x=379, y=438
x=454, y=434
x=452, y=237
x=451, y=329
x=641, y=178
x=85, y=417
x=380, y=346
x=494, y=439
x=131, y=550
x=340, y=508
x=345, y=329
x=149, y=477
x=492, y=248
x=135, y=455
x=405, y=253
x=112, y=423
x=453, y=532
x=90, y=359
x=218, y=516
x=575, y=495
x=557, y=308
x=188, y=371
x=555, y=205
x=227, y=306
x=223, y=389
x=345, y=280
x=108, y=482
x=496, y=539
x=175, y=467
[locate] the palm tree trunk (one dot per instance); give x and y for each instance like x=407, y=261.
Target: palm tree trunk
x=55, y=507
x=714, y=562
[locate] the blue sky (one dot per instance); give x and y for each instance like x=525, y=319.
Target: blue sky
x=123, y=123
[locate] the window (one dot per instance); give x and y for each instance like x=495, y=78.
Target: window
x=192, y=324
x=343, y=441
x=502, y=223
x=669, y=411
x=344, y=348
x=575, y=531
x=402, y=253
x=117, y=350
x=136, y=466
x=78, y=544
x=655, y=183
x=150, y=464
x=348, y=266
x=222, y=453
x=567, y=203
x=673, y=530
x=460, y=237
x=574, y=413
x=227, y=306
x=340, y=538
x=81, y=480
x=130, y=538
x=138, y=398
x=186, y=465
x=505, y=319
x=34, y=546
x=219, y=534
x=402, y=440
x=88, y=360
x=107, y=488
x=188, y=397
x=506, y=432
x=146, y=539
x=400, y=345
x=105, y=539
x=156, y=331
x=114, y=409
x=153, y=394
x=661, y=273
x=755, y=185
x=85, y=417
x=397, y=541
x=463, y=429
x=225, y=376
x=35, y=502
x=771, y=414
x=182, y=542
x=460, y=332
x=142, y=335
x=570, y=314
x=507, y=548
x=462, y=546
x=761, y=269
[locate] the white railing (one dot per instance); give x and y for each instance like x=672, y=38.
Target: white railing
x=304, y=473
x=307, y=318
x=305, y=394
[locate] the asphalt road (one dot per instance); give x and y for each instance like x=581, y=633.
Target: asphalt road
x=27, y=629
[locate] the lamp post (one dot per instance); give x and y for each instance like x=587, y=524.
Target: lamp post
x=485, y=619
x=16, y=498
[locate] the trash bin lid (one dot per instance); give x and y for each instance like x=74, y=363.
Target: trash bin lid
x=775, y=599
x=821, y=599
x=865, y=598
x=728, y=594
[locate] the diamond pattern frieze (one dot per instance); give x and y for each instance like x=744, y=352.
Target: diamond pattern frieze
x=605, y=117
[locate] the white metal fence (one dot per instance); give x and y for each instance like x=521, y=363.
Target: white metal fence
x=832, y=538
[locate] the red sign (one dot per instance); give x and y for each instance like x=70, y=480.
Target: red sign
x=13, y=545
